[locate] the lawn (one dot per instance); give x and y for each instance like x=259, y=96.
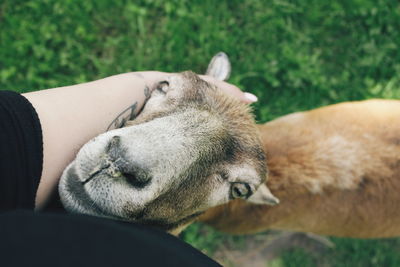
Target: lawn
x=294, y=55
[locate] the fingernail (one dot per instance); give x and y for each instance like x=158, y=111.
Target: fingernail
x=250, y=97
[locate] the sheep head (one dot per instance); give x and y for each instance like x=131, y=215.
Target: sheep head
x=191, y=148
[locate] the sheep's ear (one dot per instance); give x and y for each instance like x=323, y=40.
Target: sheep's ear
x=263, y=196
x=219, y=67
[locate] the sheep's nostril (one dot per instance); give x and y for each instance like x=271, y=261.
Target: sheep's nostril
x=122, y=166
x=115, y=141
x=113, y=146
x=129, y=177
x=137, y=180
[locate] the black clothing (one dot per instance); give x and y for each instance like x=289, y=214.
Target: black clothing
x=29, y=239
x=21, y=152
x=47, y=239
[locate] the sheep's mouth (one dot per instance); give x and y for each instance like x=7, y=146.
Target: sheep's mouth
x=97, y=171
x=76, y=197
x=74, y=192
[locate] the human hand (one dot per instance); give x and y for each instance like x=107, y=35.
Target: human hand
x=231, y=89
x=153, y=77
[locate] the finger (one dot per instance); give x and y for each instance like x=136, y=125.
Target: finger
x=231, y=89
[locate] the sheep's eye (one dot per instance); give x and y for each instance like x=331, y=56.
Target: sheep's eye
x=240, y=190
x=163, y=87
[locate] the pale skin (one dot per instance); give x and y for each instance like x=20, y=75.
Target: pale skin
x=72, y=115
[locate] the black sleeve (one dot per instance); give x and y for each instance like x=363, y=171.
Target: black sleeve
x=29, y=239
x=21, y=152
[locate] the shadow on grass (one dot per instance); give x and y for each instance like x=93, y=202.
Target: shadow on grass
x=255, y=250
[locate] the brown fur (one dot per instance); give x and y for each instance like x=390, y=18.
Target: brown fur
x=336, y=171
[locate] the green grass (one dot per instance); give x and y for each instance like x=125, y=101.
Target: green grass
x=346, y=253
x=294, y=54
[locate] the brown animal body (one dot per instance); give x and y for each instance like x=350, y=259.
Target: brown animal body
x=336, y=171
